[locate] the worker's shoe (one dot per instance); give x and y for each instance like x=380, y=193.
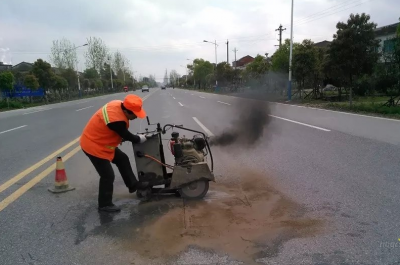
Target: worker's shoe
x=110, y=209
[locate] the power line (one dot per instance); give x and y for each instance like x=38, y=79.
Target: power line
x=337, y=8
x=308, y=21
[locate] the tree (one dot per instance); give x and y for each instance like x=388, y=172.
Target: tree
x=6, y=81
x=353, y=51
x=224, y=73
x=90, y=73
x=59, y=82
x=96, y=54
x=71, y=77
x=119, y=64
x=201, y=71
x=31, y=82
x=42, y=70
x=280, y=59
x=63, y=54
x=305, y=60
x=258, y=67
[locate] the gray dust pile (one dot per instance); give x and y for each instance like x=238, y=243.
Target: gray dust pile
x=252, y=118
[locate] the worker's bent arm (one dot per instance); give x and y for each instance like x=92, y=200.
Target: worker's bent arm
x=120, y=128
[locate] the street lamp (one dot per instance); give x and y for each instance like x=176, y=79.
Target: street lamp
x=77, y=72
x=290, y=57
x=186, y=73
x=194, y=80
x=112, y=83
x=215, y=43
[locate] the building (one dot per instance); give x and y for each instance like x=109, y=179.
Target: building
x=322, y=44
x=5, y=67
x=242, y=62
x=22, y=67
x=386, y=35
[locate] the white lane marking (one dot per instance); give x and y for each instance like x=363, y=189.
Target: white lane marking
x=14, y=129
x=206, y=130
x=201, y=97
x=224, y=103
x=180, y=104
x=191, y=94
x=26, y=113
x=348, y=113
x=305, y=124
x=84, y=108
x=81, y=102
x=174, y=97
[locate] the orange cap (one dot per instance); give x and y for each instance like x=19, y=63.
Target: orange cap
x=134, y=103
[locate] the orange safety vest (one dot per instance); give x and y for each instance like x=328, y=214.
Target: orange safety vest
x=97, y=139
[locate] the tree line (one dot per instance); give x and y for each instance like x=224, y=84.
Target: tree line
x=106, y=71
x=353, y=62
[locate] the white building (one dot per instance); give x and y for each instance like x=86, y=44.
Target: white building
x=386, y=35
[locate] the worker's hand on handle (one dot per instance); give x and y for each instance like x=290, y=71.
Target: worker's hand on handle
x=142, y=138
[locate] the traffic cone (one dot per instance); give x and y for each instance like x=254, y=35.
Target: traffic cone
x=61, y=180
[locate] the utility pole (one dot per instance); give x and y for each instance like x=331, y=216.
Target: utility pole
x=290, y=56
x=227, y=51
x=235, y=50
x=280, y=29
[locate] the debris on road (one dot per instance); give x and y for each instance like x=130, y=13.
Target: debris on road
x=247, y=220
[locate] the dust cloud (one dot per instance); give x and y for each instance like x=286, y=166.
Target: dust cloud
x=248, y=220
x=248, y=128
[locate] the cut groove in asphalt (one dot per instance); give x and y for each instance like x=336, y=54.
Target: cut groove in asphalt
x=206, y=130
x=305, y=124
x=224, y=103
x=180, y=104
x=13, y=129
x=84, y=108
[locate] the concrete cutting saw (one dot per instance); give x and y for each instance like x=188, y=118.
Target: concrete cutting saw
x=190, y=174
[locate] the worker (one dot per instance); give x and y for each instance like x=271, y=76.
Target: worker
x=100, y=138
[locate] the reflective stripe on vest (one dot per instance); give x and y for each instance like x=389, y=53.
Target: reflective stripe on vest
x=107, y=121
x=105, y=115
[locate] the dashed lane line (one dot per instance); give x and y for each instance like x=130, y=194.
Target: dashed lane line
x=13, y=129
x=206, y=130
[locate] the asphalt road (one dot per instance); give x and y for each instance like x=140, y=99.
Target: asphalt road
x=337, y=168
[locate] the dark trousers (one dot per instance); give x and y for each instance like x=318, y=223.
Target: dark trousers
x=107, y=177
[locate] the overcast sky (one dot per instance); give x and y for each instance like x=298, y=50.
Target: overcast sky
x=162, y=34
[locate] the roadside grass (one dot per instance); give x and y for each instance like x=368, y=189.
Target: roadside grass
x=372, y=106
x=19, y=103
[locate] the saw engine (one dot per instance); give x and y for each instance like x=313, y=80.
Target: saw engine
x=187, y=151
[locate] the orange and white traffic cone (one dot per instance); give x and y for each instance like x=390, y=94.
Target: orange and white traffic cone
x=61, y=180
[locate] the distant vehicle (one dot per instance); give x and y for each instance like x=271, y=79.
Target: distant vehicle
x=145, y=88
x=163, y=87
x=126, y=89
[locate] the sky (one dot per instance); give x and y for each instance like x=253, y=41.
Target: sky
x=155, y=35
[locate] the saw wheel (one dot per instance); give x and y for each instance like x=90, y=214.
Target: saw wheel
x=144, y=195
x=195, y=190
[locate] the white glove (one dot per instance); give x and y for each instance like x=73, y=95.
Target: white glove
x=142, y=138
